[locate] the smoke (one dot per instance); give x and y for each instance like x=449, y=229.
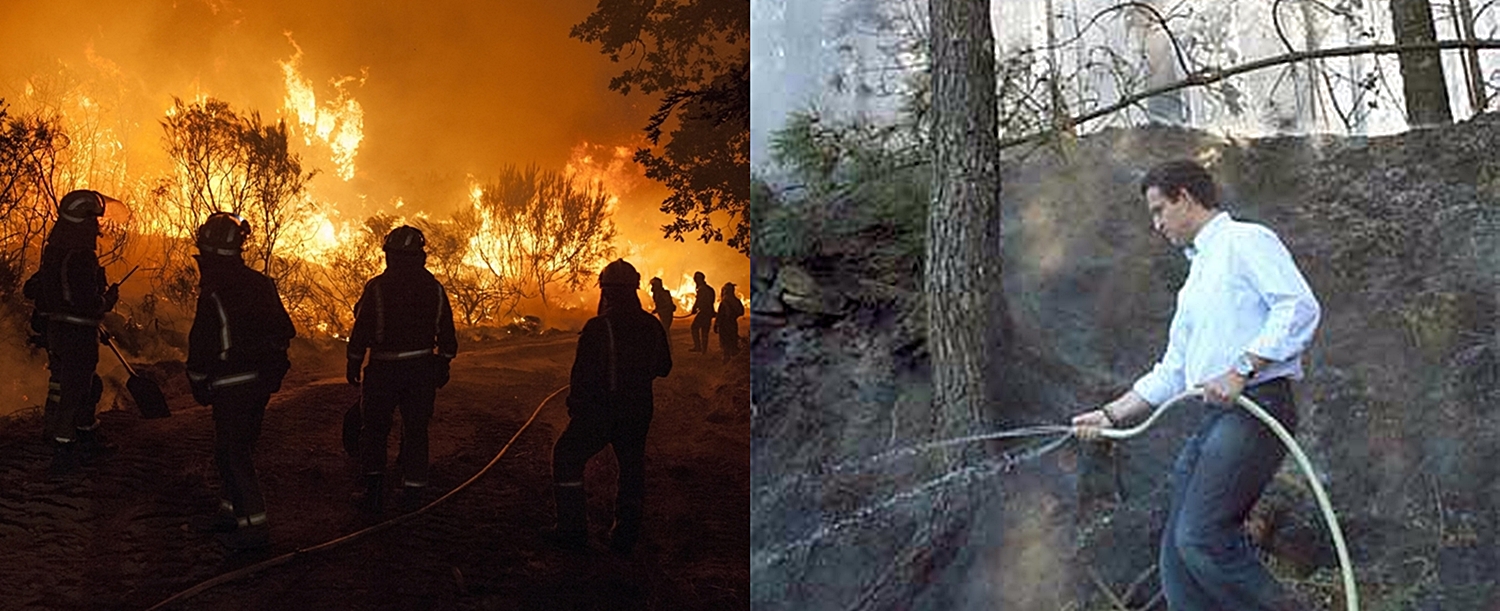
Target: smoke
x=398, y=106
x=25, y=383
x=842, y=58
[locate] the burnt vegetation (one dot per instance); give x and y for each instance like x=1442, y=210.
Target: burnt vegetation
x=1395, y=233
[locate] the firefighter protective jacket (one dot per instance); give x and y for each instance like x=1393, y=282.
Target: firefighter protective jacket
x=70, y=285
x=619, y=355
x=662, y=299
x=729, y=310
x=704, y=304
x=241, y=331
x=403, y=313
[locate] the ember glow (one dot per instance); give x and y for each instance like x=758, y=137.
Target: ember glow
x=391, y=115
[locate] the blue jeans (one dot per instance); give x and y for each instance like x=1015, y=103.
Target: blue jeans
x=1207, y=562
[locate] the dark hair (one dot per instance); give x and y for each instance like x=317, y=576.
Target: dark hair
x=1174, y=177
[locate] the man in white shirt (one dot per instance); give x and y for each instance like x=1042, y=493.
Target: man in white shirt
x=1244, y=316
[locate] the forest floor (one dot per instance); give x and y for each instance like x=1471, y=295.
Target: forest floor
x=115, y=535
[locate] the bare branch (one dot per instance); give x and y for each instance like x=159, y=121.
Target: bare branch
x=1214, y=75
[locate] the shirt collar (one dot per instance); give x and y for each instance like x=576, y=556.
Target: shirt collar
x=1206, y=234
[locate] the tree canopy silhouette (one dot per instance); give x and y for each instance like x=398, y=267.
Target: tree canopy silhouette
x=696, y=55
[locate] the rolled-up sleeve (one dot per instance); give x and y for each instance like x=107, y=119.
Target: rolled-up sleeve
x=1294, y=311
x=1168, y=377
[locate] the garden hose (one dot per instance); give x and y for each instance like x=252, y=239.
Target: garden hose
x=1351, y=593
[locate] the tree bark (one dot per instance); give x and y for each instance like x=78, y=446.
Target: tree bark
x=1421, y=71
x=965, y=309
x=1474, y=73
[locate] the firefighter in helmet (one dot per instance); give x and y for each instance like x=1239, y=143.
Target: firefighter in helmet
x=620, y=352
x=665, y=305
x=71, y=297
x=405, y=322
x=236, y=359
x=703, y=313
x=727, y=324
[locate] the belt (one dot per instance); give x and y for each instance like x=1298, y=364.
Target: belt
x=1270, y=382
x=235, y=379
x=398, y=356
x=77, y=320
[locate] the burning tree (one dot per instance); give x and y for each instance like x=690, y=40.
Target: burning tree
x=540, y=228
x=225, y=161
x=26, y=143
x=475, y=293
x=696, y=54
x=41, y=159
x=322, y=293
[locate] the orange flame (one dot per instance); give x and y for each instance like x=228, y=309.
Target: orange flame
x=338, y=123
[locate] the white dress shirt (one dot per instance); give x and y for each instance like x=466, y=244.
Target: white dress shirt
x=1243, y=293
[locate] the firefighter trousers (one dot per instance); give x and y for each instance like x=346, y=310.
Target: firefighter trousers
x=702, y=327
x=73, y=389
x=238, y=412
x=729, y=338
x=586, y=436
x=409, y=386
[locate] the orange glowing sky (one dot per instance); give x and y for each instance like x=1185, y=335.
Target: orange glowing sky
x=448, y=90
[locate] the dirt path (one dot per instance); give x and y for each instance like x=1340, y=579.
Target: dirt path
x=115, y=536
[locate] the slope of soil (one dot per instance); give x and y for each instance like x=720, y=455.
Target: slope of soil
x=115, y=535
x=1398, y=236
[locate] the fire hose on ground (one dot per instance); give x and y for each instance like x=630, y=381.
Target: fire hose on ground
x=1351, y=593
x=288, y=557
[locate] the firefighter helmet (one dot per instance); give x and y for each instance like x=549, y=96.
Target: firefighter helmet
x=620, y=273
x=81, y=205
x=405, y=239
x=224, y=233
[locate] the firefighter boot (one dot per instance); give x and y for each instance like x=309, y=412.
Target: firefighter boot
x=92, y=445
x=222, y=521
x=626, y=531
x=411, y=497
x=571, y=532
x=252, y=533
x=370, y=501
x=64, y=459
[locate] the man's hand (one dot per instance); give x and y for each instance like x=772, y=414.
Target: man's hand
x=111, y=297
x=1088, y=424
x=352, y=373
x=1126, y=407
x=1225, y=389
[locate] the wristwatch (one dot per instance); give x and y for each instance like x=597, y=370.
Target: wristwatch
x=1245, y=366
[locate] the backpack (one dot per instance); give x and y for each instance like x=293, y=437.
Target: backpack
x=32, y=290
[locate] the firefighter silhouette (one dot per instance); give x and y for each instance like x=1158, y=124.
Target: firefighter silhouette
x=237, y=357
x=703, y=313
x=620, y=353
x=661, y=298
x=727, y=322
x=405, y=322
x=71, y=296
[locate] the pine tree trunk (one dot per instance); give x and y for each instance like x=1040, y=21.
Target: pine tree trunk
x=965, y=310
x=1421, y=71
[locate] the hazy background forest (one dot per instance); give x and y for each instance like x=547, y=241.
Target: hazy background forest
x=1360, y=131
x=327, y=136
